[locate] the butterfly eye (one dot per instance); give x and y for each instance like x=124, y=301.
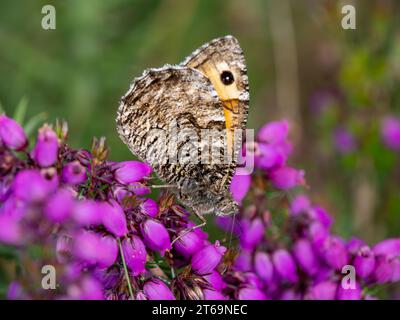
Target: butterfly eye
x=227, y=77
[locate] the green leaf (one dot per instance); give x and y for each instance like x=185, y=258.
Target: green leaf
x=20, y=111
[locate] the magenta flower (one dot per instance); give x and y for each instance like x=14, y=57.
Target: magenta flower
x=131, y=171
x=87, y=212
x=16, y=291
x=319, y=214
x=45, y=152
x=263, y=266
x=240, y=184
x=390, y=132
x=274, y=132
x=188, y=243
x=251, y=294
x=205, y=260
x=252, y=232
x=30, y=186
x=269, y=156
x=383, y=272
x=286, y=178
x=390, y=247
x=344, y=140
x=150, y=207
x=85, y=246
x=335, y=252
x=59, y=206
x=12, y=134
x=10, y=230
x=211, y=294
x=215, y=280
x=325, y=290
x=244, y=261
x=349, y=293
x=364, y=262
x=135, y=254
x=113, y=218
x=317, y=234
x=107, y=252
x=284, y=265
x=305, y=256
x=88, y=289
x=155, y=236
x=74, y=173
x=300, y=204
x=155, y=289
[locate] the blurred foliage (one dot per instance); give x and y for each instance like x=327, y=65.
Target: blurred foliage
x=80, y=70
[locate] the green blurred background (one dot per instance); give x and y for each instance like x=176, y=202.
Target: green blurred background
x=302, y=66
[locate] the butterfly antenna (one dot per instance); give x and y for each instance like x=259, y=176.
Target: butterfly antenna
x=232, y=229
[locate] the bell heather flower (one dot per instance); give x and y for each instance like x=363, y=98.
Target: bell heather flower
x=215, y=280
x=29, y=185
x=263, y=266
x=150, y=207
x=335, y=252
x=364, y=262
x=210, y=294
x=10, y=230
x=284, y=265
x=107, y=251
x=155, y=236
x=344, y=140
x=188, y=243
x=45, y=152
x=87, y=212
x=251, y=294
x=286, y=178
x=274, y=132
x=131, y=171
x=113, y=218
x=80, y=206
x=240, y=184
x=325, y=290
x=134, y=254
x=155, y=289
x=305, y=256
x=12, y=134
x=252, y=232
x=269, y=156
x=73, y=173
x=390, y=132
x=300, y=204
x=59, y=206
x=205, y=260
x=85, y=246
x=349, y=293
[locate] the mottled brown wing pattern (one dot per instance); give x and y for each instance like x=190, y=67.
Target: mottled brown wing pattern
x=160, y=110
x=208, y=90
x=214, y=59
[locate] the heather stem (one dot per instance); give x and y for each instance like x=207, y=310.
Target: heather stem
x=128, y=280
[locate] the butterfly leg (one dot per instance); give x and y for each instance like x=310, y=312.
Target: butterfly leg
x=202, y=224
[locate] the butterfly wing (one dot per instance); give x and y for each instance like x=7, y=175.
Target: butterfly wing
x=218, y=60
x=162, y=119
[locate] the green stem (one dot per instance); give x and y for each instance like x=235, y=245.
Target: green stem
x=128, y=280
